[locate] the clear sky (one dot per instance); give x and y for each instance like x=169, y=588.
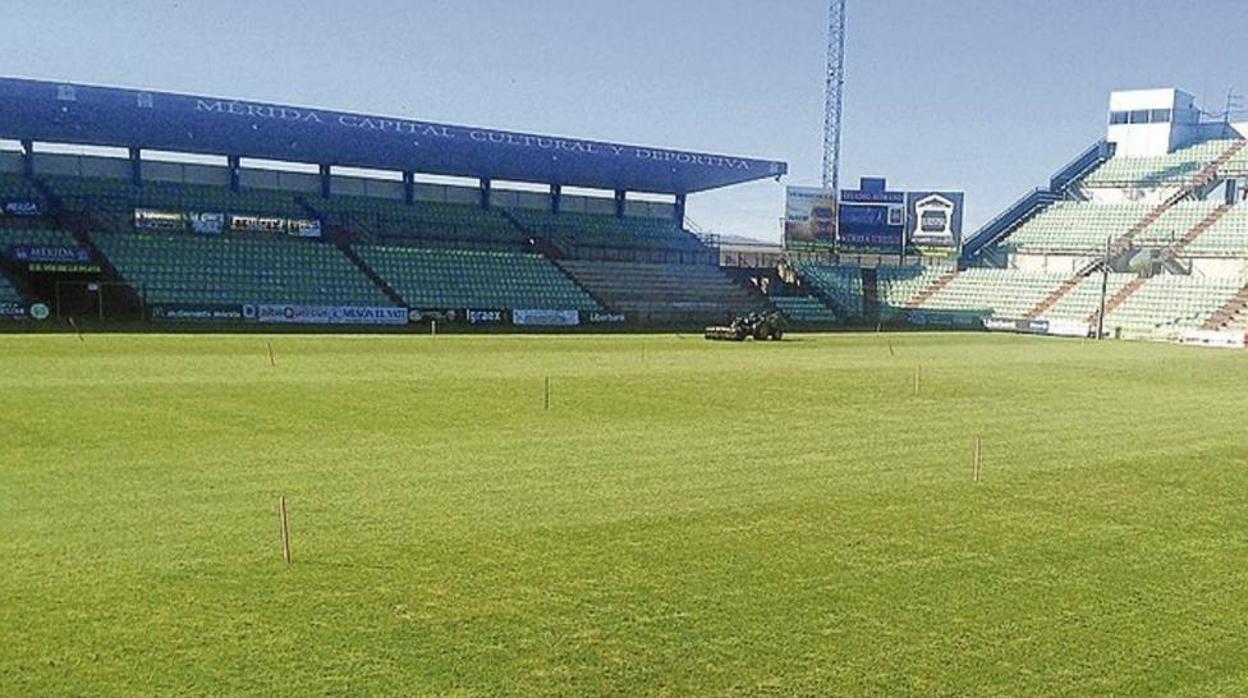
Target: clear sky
x=989, y=96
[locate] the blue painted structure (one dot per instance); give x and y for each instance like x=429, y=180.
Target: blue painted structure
x=39, y=111
x=1034, y=202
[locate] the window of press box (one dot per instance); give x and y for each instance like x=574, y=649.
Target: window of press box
x=1118, y=117
x=1160, y=116
x=1139, y=116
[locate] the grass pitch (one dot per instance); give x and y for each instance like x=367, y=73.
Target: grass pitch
x=686, y=518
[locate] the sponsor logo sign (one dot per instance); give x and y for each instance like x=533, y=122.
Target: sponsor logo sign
x=934, y=222
x=208, y=223
x=480, y=317
x=324, y=315
x=294, y=227
x=606, y=318
x=148, y=219
x=42, y=253
x=12, y=311
x=546, y=318
x=189, y=312
x=23, y=209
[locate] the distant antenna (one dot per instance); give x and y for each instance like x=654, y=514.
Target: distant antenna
x=834, y=96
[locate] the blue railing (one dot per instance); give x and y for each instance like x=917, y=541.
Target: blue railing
x=1035, y=200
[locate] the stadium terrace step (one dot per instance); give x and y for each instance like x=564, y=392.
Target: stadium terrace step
x=1228, y=312
x=926, y=294
x=1210, y=171
x=1192, y=235
x=1052, y=299
x=1117, y=299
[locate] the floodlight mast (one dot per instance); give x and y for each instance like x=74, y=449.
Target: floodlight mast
x=834, y=96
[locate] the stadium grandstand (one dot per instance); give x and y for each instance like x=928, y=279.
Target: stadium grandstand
x=1144, y=235
x=134, y=238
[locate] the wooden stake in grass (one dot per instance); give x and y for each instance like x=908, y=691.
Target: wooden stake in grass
x=979, y=449
x=284, y=520
x=272, y=358
x=918, y=379
x=547, y=400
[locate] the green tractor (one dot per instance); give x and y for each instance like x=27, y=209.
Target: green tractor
x=759, y=326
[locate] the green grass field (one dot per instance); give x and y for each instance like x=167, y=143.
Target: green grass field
x=686, y=518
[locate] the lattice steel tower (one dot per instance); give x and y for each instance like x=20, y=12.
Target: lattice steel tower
x=834, y=96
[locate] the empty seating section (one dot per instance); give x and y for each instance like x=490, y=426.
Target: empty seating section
x=570, y=230
x=1175, y=223
x=1170, y=303
x=664, y=292
x=120, y=196
x=896, y=287
x=841, y=284
x=35, y=238
x=8, y=294
x=238, y=270
x=17, y=188
x=1084, y=300
x=1173, y=169
x=1237, y=166
x=1226, y=238
x=1069, y=226
x=1001, y=292
x=427, y=223
x=437, y=279
x=805, y=309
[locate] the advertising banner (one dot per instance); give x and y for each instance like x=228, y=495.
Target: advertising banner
x=871, y=218
x=324, y=315
x=148, y=219
x=22, y=208
x=606, y=318
x=54, y=259
x=809, y=218
x=12, y=311
x=208, y=223
x=546, y=318
x=257, y=224
x=485, y=317
x=299, y=228
x=196, y=312
x=934, y=223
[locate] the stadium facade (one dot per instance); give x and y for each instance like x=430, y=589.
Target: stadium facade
x=1144, y=234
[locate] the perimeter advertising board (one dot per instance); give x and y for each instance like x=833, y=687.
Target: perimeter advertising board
x=809, y=218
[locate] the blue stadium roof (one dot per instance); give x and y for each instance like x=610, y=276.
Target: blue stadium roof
x=106, y=116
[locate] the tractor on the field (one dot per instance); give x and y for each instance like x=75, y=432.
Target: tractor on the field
x=760, y=326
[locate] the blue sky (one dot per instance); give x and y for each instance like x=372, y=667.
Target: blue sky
x=987, y=96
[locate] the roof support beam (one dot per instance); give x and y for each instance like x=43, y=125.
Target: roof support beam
x=136, y=167
x=556, y=198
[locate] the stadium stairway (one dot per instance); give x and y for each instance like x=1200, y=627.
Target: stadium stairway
x=926, y=294
x=1057, y=295
x=1194, y=234
x=343, y=243
x=1229, y=313
x=1209, y=175
x=598, y=298
x=1117, y=299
